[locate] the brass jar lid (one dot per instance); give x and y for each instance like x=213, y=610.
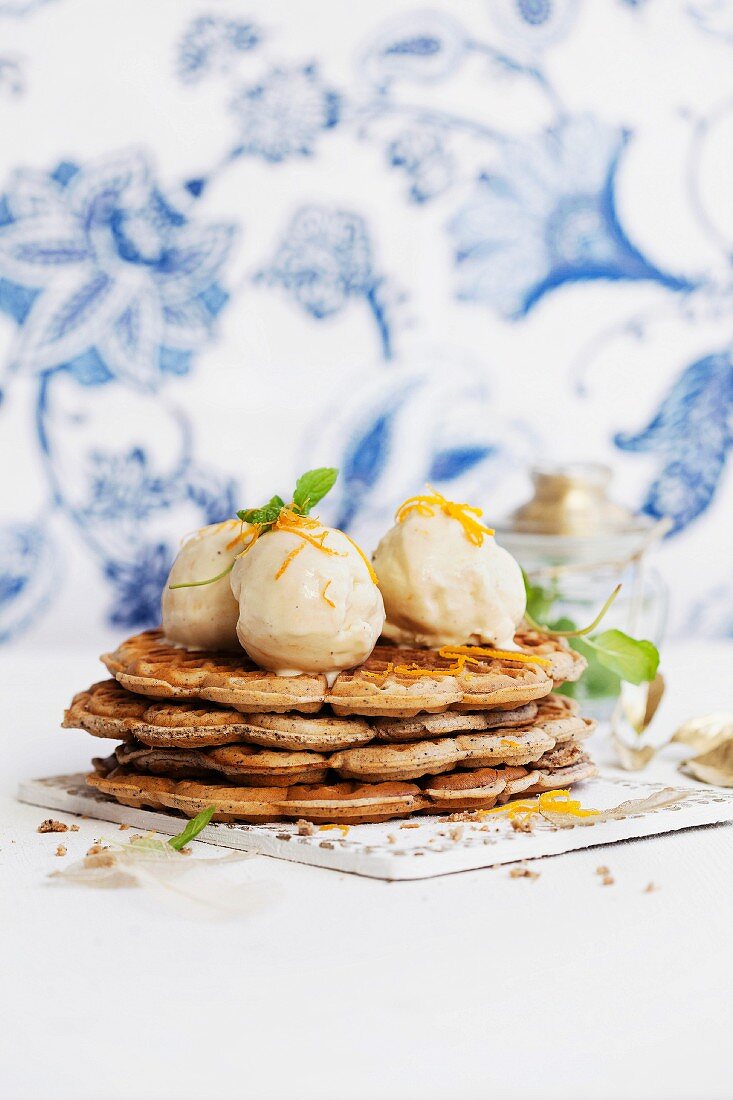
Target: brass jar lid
x=571, y=500
x=572, y=520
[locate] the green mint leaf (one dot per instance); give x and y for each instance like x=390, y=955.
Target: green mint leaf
x=267, y=514
x=634, y=660
x=312, y=487
x=192, y=830
x=596, y=682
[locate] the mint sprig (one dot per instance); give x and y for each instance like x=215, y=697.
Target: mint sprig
x=192, y=830
x=635, y=660
x=265, y=515
x=310, y=489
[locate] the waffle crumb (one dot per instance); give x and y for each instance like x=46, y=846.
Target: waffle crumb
x=391, y=838
x=602, y=871
x=95, y=849
x=456, y=833
x=410, y=825
x=73, y=828
x=50, y=825
x=61, y=850
x=522, y=824
x=650, y=888
x=123, y=827
x=607, y=880
x=523, y=872
x=305, y=828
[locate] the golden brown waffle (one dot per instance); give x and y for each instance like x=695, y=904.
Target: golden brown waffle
x=245, y=764
x=379, y=688
x=566, y=665
x=413, y=759
x=106, y=709
x=555, y=724
x=343, y=803
x=147, y=665
x=449, y=722
x=150, y=666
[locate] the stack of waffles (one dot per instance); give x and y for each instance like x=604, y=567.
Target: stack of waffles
x=405, y=733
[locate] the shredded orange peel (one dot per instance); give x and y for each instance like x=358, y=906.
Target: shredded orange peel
x=460, y=656
x=344, y=829
x=558, y=802
x=308, y=528
x=325, y=590
x=426, y=503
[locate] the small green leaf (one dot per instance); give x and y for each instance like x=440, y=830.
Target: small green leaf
x=265, y=515
x=596, y=682
x=312, y=487
x=634, y=660
x=192, y=830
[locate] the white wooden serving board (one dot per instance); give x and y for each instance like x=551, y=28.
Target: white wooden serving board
x=391, y=851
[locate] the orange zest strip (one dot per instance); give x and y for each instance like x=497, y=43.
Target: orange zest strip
x=549, y=801
x=344, y=829
x=381, y=676
x=239, y=537
x=426, y=503
x=472, y=652
x=293, y=554
x=325, y=590
x=303, y=526
x=363, y=556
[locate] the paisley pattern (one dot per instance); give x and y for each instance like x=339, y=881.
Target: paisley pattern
x=416, y=242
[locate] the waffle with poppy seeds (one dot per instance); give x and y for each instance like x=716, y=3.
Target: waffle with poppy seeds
x=393, y=682
x=334, y=803
x=106, y=709
x=377, y=762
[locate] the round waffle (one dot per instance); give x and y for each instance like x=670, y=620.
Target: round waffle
x=106, y=709
x=556, y=723
x=339, y=803
x=147, y=665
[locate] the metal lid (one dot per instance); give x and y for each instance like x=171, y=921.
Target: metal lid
x=572, y=500
x=571, y=517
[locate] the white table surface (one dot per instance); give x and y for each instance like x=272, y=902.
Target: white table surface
x=342, y=988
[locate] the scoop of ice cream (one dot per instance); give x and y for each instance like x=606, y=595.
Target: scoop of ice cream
x=203, y=617
x=443, y=587
x=304, y=607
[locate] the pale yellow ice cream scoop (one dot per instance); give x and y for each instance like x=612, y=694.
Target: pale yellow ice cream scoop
x=204, y=616
x=307, y=599
x=444, y=579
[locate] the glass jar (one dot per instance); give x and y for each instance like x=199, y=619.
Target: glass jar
x=575, y=545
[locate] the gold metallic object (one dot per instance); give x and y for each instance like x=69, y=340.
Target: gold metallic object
x=571, y=500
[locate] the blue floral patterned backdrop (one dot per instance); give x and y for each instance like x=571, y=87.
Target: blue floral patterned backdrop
x=238, y=238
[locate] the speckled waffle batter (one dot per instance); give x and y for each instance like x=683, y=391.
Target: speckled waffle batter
x=376, y=762
x=106, y=709
x=147, y=665
x=344, y=802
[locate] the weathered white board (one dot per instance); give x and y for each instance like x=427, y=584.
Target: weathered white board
x=420, y=847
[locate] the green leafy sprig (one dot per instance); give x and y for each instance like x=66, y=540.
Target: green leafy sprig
x=635, y=660
x=192, y=830
x=309, y=490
